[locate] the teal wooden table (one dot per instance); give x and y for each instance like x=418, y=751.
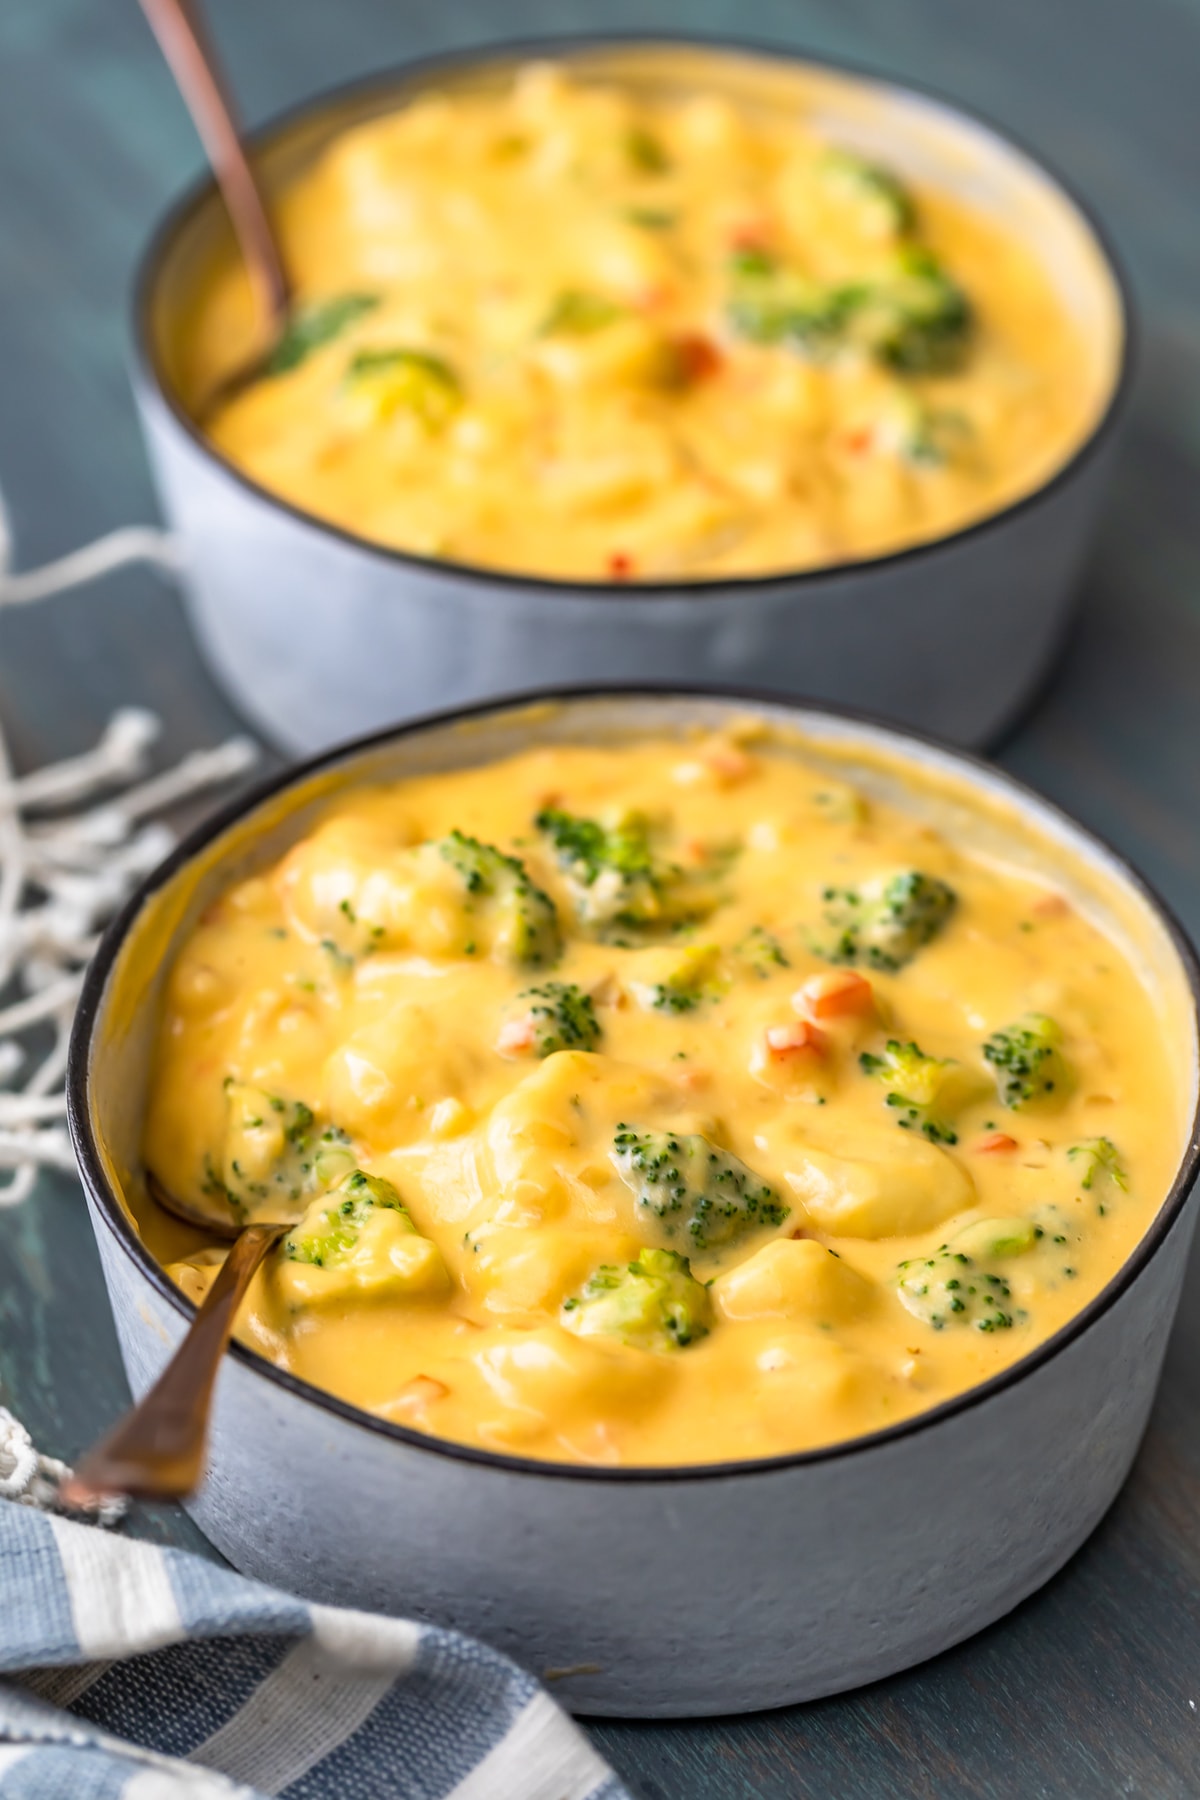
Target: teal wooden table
x=1093, y=1688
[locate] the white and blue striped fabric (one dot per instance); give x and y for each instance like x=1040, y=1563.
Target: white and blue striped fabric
x=130, y=1672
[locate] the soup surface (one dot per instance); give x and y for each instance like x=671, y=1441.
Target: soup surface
x=666, y=1103
x=571, y=331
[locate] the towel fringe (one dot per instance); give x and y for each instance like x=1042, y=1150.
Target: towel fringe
x=65, y=871
x=75, y=839
x=32, y=1479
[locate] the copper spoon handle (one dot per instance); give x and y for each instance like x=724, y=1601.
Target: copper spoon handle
x=156, y=1452
x=178, y=26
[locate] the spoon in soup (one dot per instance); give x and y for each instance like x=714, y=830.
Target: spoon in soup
x=156, y=1452
x=178, y=25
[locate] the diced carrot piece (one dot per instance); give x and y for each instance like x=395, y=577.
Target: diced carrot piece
x=690, y=357
x=800, y=1039
x=996, y=1143
x=1051, y=906
x=620, y=566
x=859, y=440
x=727, y=761
x=516, y=1036
x=835, y=994
x=653, y=299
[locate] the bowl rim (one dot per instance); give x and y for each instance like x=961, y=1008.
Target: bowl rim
x=107, y=1204
x=149, y=373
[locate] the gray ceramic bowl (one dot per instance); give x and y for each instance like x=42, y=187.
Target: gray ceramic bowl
x=661, y=1591
x=317, y=633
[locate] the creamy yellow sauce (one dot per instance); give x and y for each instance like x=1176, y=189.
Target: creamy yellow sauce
x=811, y=1120
x=571, y=331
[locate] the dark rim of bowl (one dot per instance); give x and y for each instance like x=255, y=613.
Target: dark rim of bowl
x=405, y=75
x=91, y=1163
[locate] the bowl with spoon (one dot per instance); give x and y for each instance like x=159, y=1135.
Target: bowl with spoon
x=319, y=630
x=774, y=1580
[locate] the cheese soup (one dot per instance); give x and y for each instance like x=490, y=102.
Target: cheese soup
x=663, y=1103
x=570, y=330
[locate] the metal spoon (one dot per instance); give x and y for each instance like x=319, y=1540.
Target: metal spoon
x=156, y=1452
x=178, y=25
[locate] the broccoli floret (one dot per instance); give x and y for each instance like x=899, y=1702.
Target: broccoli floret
x=884, y=923
x=922, y=1090
x=1060, y=1230
x=927, y=436
x=387, y=381
x=646, y=152
x=1101, y=1161
x=1028, y=1061
x=997, y=1240
x=613, y=875
x=886, y=200
x=840, y=803
x=762, y=952
x=334, y=1158
x=955, y=1286
x=652, y=218
x=330, y=1232
x=563, y=1018
x=677, y=997
x=687, y=978
x=274, y=1149
x=919, y=321
x=314, y=323
x=655, y=1303
x=527, y=922
x=577, y=312
x=950, y=1288
x=692, y=1189
x=770, y=304
x=358, y=1242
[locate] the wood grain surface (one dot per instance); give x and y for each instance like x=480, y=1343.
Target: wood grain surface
x=1092, y=1688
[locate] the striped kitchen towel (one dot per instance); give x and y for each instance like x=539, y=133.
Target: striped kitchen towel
x=130, y=1672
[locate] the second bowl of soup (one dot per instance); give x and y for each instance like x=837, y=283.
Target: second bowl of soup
x=645, y=359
